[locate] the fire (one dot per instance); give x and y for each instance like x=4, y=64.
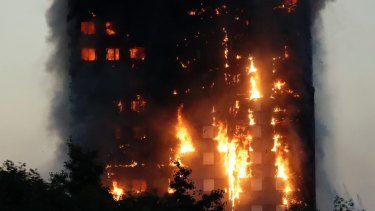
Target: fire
x=254, y=91
x=117, y=192
x=283, y=174
x=278, y=85
x=109, y=29
x=276, y=142
x=88, y=54
x=182, y=134
x=282, y=171
x=236, y=157
x=120, y=106
x=251, y=118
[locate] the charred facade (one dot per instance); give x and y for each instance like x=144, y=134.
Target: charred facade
x=224, y=86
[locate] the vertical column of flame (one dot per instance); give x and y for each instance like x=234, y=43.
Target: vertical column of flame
x=225, y=44
x=182, y=134
x=236, y=156
x=280, y=148
x=254, y=92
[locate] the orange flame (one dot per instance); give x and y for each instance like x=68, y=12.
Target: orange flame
x=254, y=91
x=182, y=134
x=109, y=29
x=236, y=158
x=251, y=118
x=117, y=192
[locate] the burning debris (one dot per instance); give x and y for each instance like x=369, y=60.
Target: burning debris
x=117, y=192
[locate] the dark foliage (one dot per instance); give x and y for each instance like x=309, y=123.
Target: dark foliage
x=79, y=187
x=341, y=204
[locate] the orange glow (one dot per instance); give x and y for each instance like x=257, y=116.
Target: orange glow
x=109, y=29
x=277, y=144
x=251, y=118
x=278, y=85
x=88, y=27
x=120, y=106
x=254, y=90
x=138, y=53
x=182, y=134
x=117, y=192
x=138, y=105
x=113, y=54
x=192, y=13
x=283, y=174
x=236, y=156
x=282, y=169
x=88, y=54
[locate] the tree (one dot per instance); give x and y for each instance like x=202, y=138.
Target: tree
x=21, y=188
x=340, y=204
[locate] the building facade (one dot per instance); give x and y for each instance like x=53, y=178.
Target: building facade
x=224, y=87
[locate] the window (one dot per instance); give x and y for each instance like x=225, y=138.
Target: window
x=138, y=105
x=208, y=158
x=138, y=53
x=109, y=29
x=256, y=184
x=257, y=131
x=256, y=208
x=88, y=28
x=208, y=184
x=88, y=54
x=257, y=158
x=208, y=132
x=279, y=184
x=113, y=54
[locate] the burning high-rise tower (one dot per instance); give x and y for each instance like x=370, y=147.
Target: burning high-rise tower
x=223, y=86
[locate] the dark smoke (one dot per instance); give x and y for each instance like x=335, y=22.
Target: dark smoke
x=58, y=65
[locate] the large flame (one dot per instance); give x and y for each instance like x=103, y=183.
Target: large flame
x=182, y=134
x=117, y=192
x=236, y=155
x=282, y=168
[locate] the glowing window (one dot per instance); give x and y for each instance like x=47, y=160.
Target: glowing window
x=109, y=29
x=139, y=186
x=138, y=53
x=208, y=132
x=88, y=28
x=113, y=54
x=138, y=105
x=257, y=158
x=208, y=184
x=88, y=54
x=280, y=184
x=291, y=2
x=208, y=158
x=256, y=184
x=256, y=208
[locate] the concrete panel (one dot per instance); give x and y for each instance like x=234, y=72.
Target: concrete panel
x=208, y=184
x=208, y=158
x=257, y=208
x=208, y=132
x=256, y=184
